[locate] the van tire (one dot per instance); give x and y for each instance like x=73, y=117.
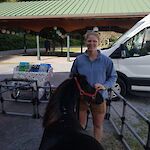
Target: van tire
x=121, y=88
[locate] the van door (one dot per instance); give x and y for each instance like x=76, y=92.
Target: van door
x=136, y=64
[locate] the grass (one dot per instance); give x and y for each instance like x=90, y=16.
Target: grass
x=72, y=49
x=138, y=125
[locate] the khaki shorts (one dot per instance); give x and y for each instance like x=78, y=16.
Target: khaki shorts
x=95, y=108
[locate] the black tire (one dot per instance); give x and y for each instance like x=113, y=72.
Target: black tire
x=15, y=93
x=121, y=88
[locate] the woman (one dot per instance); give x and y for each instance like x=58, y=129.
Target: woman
x=101, y=74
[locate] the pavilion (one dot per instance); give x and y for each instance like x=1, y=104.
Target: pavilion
x=72, y=15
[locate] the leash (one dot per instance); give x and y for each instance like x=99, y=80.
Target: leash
x=82, y=92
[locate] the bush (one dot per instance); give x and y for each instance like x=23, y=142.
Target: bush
x=75, y=42
x=14, y=42
x=11, y=42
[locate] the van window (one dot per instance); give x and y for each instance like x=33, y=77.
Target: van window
x=121, y=38
x=146, y=43
x=139, y=45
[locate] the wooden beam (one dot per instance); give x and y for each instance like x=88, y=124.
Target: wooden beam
x=69, y=25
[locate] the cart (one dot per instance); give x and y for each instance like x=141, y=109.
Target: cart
x=11, y=85
x=27, y=87
x=42, y=78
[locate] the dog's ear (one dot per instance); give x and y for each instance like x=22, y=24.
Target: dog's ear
x=77, y=75
x=74, y=75
x=81, y=76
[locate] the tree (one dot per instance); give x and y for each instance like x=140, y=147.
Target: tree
x=8, y=0
x=16, y=0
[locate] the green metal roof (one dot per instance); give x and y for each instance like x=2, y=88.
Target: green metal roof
x=74, y=8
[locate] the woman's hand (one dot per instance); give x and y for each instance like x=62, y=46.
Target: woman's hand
x=99, y=86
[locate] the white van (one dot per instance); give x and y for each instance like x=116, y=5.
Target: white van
x=131, y=57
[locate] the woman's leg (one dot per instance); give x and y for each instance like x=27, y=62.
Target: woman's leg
x=98, y=113
x=98, y=120
x=83, y=113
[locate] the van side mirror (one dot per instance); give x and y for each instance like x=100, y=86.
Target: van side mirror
x=123, y=54
x=120, y=52
x=116, y=54
x=123, y=51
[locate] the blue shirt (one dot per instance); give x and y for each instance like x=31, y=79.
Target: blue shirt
x=101, y=70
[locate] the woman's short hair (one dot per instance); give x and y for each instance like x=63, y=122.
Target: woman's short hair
x=92, y=33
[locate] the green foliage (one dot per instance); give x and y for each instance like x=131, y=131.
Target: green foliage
x=17, y=0
x=75, y=42
x=113, y=39
x=11, y=42
x=27, y=0
x=8, y=0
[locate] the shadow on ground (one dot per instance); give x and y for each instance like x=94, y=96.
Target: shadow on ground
x=59, y=54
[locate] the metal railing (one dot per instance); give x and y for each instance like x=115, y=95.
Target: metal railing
x=14, y=88
x=8, y=86
x=125, y=124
